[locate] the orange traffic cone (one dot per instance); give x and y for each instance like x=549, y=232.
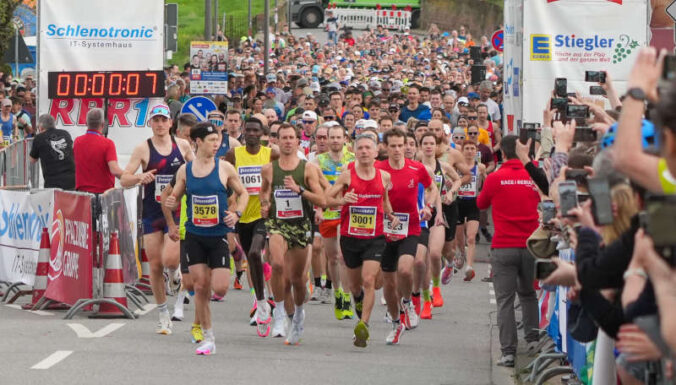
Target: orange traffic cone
x=40, y=284
x=145, y=268
x=113, y=281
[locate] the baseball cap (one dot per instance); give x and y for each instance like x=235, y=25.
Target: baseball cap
x=370, y=123
x=6, y=102
x=459, y=131
x=157, y=110
x=309, y=115
x=463, y=100
x=270, y=90
x=271, y=78
x=473, y=95
x=302, y=82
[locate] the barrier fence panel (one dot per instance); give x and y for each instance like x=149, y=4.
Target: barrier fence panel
x=394, y=19
x=16, y=168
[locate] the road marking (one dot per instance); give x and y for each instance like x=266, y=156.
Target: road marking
x=83, y=332
x=146, y=309
x=492, y=301
x=52, y=359
x=491, y=292
x=38, y=312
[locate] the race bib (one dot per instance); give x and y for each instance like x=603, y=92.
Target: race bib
x=288, y=204
x=161, y=182
x=438, y=179
x=468, y=190
x=205, y=210
x=398, y=232
x=251, y=178
x=362, y=220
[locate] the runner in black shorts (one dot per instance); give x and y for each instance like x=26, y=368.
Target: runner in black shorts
x=205, y=182
x=364, y=202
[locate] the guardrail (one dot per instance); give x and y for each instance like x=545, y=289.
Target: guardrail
x=16, y=168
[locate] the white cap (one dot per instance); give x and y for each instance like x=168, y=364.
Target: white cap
x=463, y=99
x=309, y=115
x=314, y=86
x=369, y=123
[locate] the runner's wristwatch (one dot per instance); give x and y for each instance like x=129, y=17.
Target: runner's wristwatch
x=301, y=190
x=239, y=213
x=636, y=94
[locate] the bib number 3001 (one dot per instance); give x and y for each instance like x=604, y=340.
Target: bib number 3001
x=288, y=204
x=362, y=221
x=205, y=211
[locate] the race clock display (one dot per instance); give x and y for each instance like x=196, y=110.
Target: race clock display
x=105, y=84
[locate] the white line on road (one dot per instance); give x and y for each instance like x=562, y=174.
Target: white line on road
x=38, y=312
x=492, y=301
x=53, y=359
x=491, y=292
x=83, y=332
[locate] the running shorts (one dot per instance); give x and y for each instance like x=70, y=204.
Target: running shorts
x=329, y=228
x=467, y=211
x=182, y=256
x=155, y=224
x=451, y=216
x=357, y=250
x=212, y=251
x=424, y=237
x=247, y=231
x=393, y=250
x=298, y=235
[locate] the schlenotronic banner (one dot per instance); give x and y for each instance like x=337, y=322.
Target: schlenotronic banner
x=565, y=38
x=101, y=35
x=513, y=43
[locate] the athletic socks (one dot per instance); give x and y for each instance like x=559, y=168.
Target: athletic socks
x=239, y=274
x=328, y=284
x=280, y=305
x=209, y=335
x=426, y=295
x=360, y=297
x=318, y=282
x=435, y=281
x=414, y=295
x=323, y=278
x=163, y=307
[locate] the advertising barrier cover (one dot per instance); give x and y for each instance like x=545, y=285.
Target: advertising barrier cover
x=565, y=38
x=70, y=263
x=102, y=35
x=208, y=67
x=22, y=217
x=116, y=217
x=513, y=52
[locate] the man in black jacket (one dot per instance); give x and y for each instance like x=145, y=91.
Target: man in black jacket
x=54, y=148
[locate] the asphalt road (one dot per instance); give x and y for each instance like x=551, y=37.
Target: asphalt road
x=456, y=347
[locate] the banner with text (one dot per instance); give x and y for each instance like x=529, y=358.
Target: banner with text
x=565, y=38
x=208, y=67
x=85, y=35
x=71, y=260
x=22, y=217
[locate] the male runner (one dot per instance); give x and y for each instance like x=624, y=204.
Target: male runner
x=227, y=142
x=205, y=182
x=248, y=161
x=294, y=186
x=364, y=203
x=331, y=164
x=402, y=239
x=160, y=157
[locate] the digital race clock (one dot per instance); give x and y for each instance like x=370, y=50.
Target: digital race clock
x=105, y=84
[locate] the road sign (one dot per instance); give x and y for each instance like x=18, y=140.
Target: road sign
x=199, y=106
x=497, y=40
x=671, y=10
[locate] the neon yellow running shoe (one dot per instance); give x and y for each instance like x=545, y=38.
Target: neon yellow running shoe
x=361, y=334
x=338, y=306
x=347, y=306
x=196, y=334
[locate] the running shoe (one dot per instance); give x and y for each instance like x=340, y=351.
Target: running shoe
x=437, y=298
x=412, y=316
x=216, y=298
x=178, y=313
x=416, y=303
x=426, y=312
x=279, y=323
x=487, y=234
x=383, y=301
x=338, y=304
x=395, y=334
x=165, y=325
x=487, y=279
x=358, y=307
x=253, y=308
x=347, y=306
x=263, y=320
x=506, y=360
x=459, y=261
x=196, y=335
x=447, y=274
x=175, y=282
x=237, y=285
x=252, y=321
x=316, y=294
x=388, y=317
x=325, y=295
x=469, y=274
x=297, y=327
x=361, y=334
x=207, y=348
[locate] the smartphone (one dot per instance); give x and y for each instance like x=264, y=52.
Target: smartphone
x=567, y=197
x=475, y=54
x=602, y=206
x=585, y=134
x=660, y=222
x=595, y=76
x=572, y=95
x=544, y=268
x=548, y=209
x=596, y=90
x=578, y=112
x=558, y=104
x=561, y=87
x=529, y=131
x=478, y=73
x=669, y=69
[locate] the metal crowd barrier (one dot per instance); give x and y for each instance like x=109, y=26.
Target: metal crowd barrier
x=359, y=18
x=16, y=168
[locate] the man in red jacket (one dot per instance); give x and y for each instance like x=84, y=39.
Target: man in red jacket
x=514, y=199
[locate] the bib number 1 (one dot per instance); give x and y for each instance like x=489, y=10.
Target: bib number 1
x=288, y=204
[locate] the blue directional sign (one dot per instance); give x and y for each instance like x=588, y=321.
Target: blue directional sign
x=199, y=106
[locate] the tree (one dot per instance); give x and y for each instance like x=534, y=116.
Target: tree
x=7, y=31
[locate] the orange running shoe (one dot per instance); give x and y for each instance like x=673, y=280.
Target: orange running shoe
x=437, y=299
x=426, y=312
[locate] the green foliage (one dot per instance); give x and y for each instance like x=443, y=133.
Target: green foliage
x=191, y=21
x=7, y=8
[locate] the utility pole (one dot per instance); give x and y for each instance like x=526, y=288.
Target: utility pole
x=276, y=18
x=215, y=23
x=266, y=32
x=250, y=21
x=207, y=20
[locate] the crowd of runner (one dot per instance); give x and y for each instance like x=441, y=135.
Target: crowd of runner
x=371, y=163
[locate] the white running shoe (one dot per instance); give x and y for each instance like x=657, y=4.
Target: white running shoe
x=411, y=314
x=175, y=282
x=206, y=348
x=263, y=319
x=325, y=296
x=297, y=328
x=252, y=321
x=395, y=334
x=279, y=323
x=316, y=294
x=165, y=325
x=178, y=312
x=383, y=301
